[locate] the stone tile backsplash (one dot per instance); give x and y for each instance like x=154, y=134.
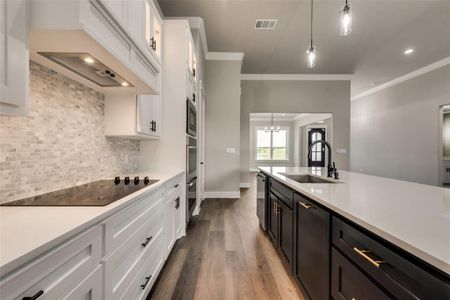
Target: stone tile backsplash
x=61, y=143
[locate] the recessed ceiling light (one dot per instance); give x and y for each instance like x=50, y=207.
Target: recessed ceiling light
x=408, y=51
x=124, y=83
x=89, y=60
x=284, y=115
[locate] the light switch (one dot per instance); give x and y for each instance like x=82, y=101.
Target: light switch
x=341, y=150
x=231, y=150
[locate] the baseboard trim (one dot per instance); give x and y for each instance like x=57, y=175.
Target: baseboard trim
x=222, y=194
x=244, y=185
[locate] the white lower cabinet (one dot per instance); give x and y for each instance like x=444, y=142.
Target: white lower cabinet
x=122, y=265
x=57, y=272
x=145, y=277
x=119, y=258
x=91, y=288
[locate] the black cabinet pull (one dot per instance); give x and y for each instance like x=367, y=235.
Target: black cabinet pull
x=193, y=72
x=176, y=185
x=153, y=43
x=147, y=279
x=177, y=201
x=37, y=295
x=147, y=240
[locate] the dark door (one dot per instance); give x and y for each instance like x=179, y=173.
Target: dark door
x=312, y=264
x=317, y=157
x=350, y=283
x=286, y=237
x=273, y=219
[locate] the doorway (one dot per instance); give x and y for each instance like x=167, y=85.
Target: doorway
x=317, y=157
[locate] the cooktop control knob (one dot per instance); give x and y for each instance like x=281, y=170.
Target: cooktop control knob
x=117, y=180
x=146, y=180
x=127, y=180
x=136, y=180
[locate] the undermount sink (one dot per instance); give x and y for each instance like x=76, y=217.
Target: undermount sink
x=308, y=179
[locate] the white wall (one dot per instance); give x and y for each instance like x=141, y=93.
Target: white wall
x=252, y=154
x=222, y=122
x=297, y=97
x=395, y=132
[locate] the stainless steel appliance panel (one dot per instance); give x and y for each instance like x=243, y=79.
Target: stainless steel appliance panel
x=261, y=200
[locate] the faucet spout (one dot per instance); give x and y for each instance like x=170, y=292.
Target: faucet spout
x=331, y=166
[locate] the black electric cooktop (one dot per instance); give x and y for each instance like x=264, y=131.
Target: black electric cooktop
x=97, y=193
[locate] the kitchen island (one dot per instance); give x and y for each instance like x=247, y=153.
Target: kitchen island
x=395, y=233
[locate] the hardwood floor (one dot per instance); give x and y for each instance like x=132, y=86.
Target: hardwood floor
x=226, y=255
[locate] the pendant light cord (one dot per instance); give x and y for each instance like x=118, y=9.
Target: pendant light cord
x=312, y=8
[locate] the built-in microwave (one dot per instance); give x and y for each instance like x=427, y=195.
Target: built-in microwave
x=191, y=118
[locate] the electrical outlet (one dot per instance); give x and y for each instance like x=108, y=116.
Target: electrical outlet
x=231, y=150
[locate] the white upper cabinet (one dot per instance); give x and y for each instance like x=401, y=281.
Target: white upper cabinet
x=131, y=116
x=112, y=31
x=153, y=28
x=149, y=115
x=118, y=8
x=14, y=57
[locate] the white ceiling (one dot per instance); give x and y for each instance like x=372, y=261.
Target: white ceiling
x=382, y=30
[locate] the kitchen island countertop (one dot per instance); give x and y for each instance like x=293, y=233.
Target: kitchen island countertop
x=415, y=217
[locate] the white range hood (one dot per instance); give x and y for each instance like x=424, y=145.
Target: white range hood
x=67, y=35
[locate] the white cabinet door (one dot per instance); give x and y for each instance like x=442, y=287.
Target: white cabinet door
x=14, y=56
x=118, y=9
x=136, y=19
x=149, y=114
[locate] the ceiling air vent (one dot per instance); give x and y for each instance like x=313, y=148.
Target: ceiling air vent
x=266, y=24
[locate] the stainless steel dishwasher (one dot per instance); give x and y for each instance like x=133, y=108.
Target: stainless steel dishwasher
x=261, y=199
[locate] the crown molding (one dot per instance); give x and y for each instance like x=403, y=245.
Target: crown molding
x=296, y=76
x=398, y=80
x=238, y=56
x=198, y=24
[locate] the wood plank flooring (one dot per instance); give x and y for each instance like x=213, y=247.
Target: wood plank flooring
x=225, y=255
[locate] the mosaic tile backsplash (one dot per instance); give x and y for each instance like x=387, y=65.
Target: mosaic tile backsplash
x=61, y=143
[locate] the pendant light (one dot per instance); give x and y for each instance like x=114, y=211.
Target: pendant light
x=311, y=52
x=272, y=127
x=346, y=19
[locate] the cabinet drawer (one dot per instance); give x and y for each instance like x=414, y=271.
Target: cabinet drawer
x=174, y=186
x=121, y=226
x=57, y=272
x=91, y=288
x=347, y=282
x=400, y=276
x=146, y=276
x=121, y=266
x=282, y=192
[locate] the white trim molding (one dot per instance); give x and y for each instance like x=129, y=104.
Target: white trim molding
x=416, y=73
x=291, y=77
x=197, y=23
x=244, y=185
x=234, y=195
x=238, y=56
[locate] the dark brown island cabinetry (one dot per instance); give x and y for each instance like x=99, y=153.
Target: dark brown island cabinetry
x=334, y=258
x=312, y=244
x=281, y=221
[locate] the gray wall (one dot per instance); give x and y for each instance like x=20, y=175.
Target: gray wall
x=291, y=152
x=222, y=126
x=395, y=131
x=297, y=97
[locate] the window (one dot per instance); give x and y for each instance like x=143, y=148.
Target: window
x=271, y=145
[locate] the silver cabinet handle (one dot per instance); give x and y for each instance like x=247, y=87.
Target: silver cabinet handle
x=305, y=205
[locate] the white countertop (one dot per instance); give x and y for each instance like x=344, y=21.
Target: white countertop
x=27, y=231
x=415, y=217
